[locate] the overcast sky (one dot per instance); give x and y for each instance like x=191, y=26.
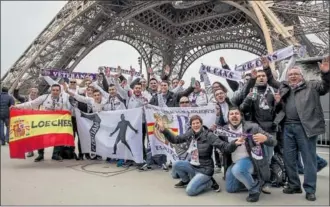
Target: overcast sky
x=21, y=23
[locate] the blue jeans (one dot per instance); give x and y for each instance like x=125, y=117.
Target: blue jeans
x=296, y=140
x=239, y=177
x=198, y=181
x=319, y=160
x=4, y=136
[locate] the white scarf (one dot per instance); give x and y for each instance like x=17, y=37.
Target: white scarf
x=263, y=103
x=161, y=101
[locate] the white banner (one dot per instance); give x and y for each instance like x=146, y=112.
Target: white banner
x=114, y=134
x=278, y=55
x=220, y=72
x=177, y=121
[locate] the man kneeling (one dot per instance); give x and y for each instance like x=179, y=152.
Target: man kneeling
x=197, y=174
x=247, y=157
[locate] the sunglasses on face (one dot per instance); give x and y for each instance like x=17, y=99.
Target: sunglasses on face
x=184, y=102
x=73, y=82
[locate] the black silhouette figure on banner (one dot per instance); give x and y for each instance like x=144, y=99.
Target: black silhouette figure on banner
x=122, y=127
x=94, y=129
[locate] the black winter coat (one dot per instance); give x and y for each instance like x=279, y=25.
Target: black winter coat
x=172, y=98
x=206, y=140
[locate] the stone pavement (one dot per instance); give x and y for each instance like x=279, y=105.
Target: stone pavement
x=24, y=182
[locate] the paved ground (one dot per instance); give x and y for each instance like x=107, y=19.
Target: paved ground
x=24, y=182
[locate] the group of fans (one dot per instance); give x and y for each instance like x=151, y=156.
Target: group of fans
x=281, y=118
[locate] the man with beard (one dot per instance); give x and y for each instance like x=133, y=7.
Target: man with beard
x=33, y=94
x=247, y=159
x=53, y=101
x=260, y=103
x=302, y=119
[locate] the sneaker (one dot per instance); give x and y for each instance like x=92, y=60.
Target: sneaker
x=87, y=156
x=30, y=154
x=164, y=167
x=253, y=197
x=39, y=158
x=215, y=186
x=145, y=167
x=320, y=167
x=292, y=191
x=181, y=184
x=120, y=163
x=266, y=189
x=310, y=197
x=217, y=170
x=57, y=158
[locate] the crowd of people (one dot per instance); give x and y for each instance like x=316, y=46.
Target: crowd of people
x=265, y=115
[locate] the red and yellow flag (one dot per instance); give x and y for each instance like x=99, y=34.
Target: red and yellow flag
x=151, y=128
x=32, y=130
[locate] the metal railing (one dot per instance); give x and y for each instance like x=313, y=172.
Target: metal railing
x=324, y=139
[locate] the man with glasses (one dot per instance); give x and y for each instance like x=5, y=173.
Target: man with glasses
x=184, y=102
x=302, y=119
x=222, y=105
x=53, y=101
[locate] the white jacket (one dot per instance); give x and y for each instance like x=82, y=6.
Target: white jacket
x=115, y=103
x=46, y=102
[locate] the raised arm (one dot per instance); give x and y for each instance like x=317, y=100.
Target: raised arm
x=104, y=82
x=32, y=104
x=104, y=93
x=323, y=86
x=186, y=92
x=176, y=139
x=234, y=85
x=18, y=97
x=82, y=99
x=122, y=92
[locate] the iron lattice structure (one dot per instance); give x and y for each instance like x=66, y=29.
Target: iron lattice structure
x=173, y=33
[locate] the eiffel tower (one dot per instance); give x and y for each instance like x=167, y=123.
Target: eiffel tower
x=171, y=32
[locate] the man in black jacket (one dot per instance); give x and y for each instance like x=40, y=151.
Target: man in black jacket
x=261, y=104
x=168, y=98
x=303, y=120
x=6, y=101
x=247, y=159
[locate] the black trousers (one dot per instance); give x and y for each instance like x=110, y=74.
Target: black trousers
x=144, y=135
x=218, y=160
x=75, y=132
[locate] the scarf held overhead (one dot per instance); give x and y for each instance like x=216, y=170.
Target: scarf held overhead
x=218, y=71
x=79, y=75
x=278, y=55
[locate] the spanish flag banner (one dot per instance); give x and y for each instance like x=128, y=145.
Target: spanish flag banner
x=32, y=130
x=176, y=120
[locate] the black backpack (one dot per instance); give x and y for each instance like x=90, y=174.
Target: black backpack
x=278, y=175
